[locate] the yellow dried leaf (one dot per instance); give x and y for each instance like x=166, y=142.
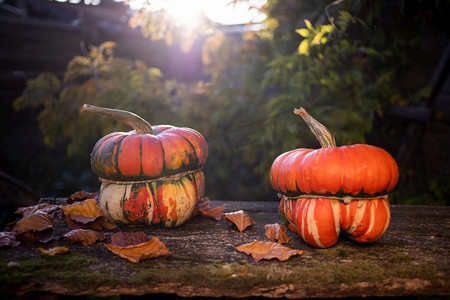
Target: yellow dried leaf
x=53, y=251
x=135, y=253
x=277, y=233
x=240, y=219
x=268, y=250
x=87, y=208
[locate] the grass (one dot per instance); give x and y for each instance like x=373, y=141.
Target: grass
x=70, y=268
x=240, y=275
x=78, y=270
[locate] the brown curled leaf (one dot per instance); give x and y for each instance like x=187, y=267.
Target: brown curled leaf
x=135, y=253
x=35, y=227
x=213, y=213
x=128, y=238
x=81, y=196
x=277, y=233
x=268, y=250
x=53, y=251
x=203, y=203
x=42, y=207
x=240, y=219
x=84, y=236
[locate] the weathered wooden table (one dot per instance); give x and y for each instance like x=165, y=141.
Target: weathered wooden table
x=411, y=259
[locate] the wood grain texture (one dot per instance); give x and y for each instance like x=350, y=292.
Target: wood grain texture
x=411, y=259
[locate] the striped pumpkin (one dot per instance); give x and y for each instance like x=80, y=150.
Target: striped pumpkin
x=324, y=191
x=170, y=202
x=150, y=175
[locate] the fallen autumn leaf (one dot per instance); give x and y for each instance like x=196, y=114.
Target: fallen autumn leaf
x=128, y=238
x=277, y=233
x=53, y=251
x=268, y=250
x=240, y=219
x=84, y=236
x=135, y=253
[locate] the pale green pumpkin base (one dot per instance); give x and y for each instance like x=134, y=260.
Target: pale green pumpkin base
x=410, y=259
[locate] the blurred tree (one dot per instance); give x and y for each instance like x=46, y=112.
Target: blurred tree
x=343, y=61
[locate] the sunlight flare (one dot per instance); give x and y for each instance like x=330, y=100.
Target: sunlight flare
x=189, y=13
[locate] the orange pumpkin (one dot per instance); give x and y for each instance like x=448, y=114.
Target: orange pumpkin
x=324, y=191
x=150, y=175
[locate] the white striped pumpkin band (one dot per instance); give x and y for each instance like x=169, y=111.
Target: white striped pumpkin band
x=174, y=177
x=345, y=199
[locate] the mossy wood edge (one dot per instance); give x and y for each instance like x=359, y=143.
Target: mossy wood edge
x=411, y=259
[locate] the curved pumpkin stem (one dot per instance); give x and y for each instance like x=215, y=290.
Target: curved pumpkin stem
x=321, y=132
x=137, y=123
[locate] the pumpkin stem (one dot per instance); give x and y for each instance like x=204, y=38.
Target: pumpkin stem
x=137, y=123
x=321, y=132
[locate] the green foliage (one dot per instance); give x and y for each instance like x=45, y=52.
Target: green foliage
x=99, y=79
x=434, y=192
x=232, y=116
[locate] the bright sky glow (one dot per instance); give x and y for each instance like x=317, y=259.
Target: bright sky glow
x=188, y=12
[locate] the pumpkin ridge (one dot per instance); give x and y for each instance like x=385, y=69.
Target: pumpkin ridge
x=124, y=198
x=116, y=158
x=196, y=158
x=164, y=167
x=141, y=172
x=194, y=181
x=158, y=145
x=158, y=195
x=109, y=149
x=156, y=208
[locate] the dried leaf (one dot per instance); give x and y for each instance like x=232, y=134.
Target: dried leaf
x=8, y=239
x=268, y=250
x=203, y=203
x=35, y=227
x=42, y=207
x=53, y=251
x=213, y=213
x=135, y=253
x=34, y=222
x=240, y=219
x=108, y=225
x=84, y=236
x=85, y=215
x=277, y=233
x=81, y=196
x=81, y=222
x=128, y=238
x=87, y=208
x=82, y=219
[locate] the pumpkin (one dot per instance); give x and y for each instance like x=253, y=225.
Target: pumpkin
x=332, y=189
x=150, y=175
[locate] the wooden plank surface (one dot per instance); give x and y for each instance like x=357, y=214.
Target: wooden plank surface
x=411, y=259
